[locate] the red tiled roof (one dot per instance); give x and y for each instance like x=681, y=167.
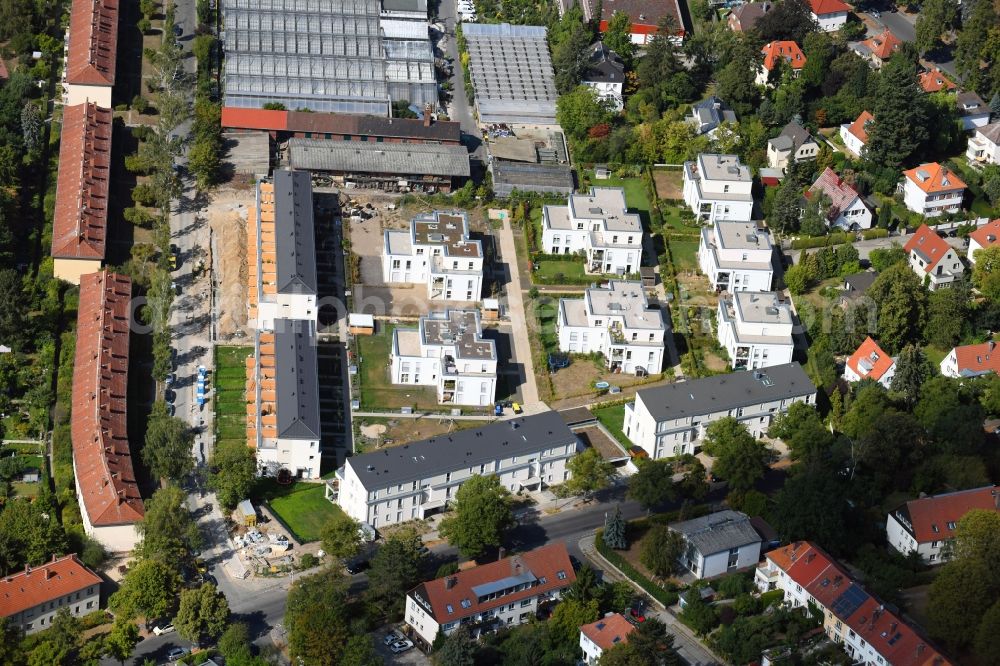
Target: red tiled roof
x=35, y=586
x=870, y=361
x=829, y=583
x=984, y=234
x=929, y=245
x=884, y=45
x=645, y=15
x=101, y=456
x=822, y=7
x=340, y=123
x=934, y=80
x=543, y=563
x=930, y=517
x=93, y=43
x=80, y=222
x=932, y=177
x=787, y=50
x=258, y=119
x=840, y=193
x=859, y=127
x=608, y=631
x=977, y=359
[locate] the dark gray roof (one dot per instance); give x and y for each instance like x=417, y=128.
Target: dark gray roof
x=748, y=14
x=404, y=6
x=461, y=450
x=296, y=379
x=294, y=240
x=792, y=136
x=604, y=65
x=507, y=176
x=724, y=392
x=858, y=283
x=718, y=532
x=710, y=113
x=367, y=157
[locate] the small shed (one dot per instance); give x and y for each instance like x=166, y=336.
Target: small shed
x=602, y=172
x=648, y=275
x=30, y=475
x=360, y=324
x=247, y=513
x=491, y=309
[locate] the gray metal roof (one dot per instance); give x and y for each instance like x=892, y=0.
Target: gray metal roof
x=508, y=176
x=294, y=240
x=367, y=157
x=724, y=392
x=718, y=532
x=296, y=379
x=461, y=450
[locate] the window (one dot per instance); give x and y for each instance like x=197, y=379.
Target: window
x=466, y=603
x=951, y=525
x=526, y=602
x=561, y=575
x=395, y=263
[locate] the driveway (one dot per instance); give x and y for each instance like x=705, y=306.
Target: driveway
x=515, y=308
x=459, y=108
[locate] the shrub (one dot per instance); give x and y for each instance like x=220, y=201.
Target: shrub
x=666, y=596
x=869, y=234
x=836, y=238
x=308, y=561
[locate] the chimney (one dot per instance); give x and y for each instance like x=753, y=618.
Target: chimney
x=450, y=582
x=503, y=551
x=427, y=115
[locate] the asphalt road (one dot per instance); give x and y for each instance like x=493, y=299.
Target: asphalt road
x=904, y=26
x=459, y=109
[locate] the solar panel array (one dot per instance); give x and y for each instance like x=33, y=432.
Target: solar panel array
x=850, y=601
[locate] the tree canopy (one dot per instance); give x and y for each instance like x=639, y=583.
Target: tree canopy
x=481, y=516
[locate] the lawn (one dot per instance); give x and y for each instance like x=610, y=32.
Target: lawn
x=684, y=254
x=555, y=272
x=377, y=391
x=673, y=223
x=301, y=506
x=613, y=418
x=230, y=393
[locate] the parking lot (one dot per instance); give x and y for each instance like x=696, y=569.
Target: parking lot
x=412, y=656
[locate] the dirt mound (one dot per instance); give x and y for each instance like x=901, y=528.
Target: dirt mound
x=229, y=227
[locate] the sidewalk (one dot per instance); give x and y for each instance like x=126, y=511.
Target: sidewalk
x=687, y=645
x=518, y=320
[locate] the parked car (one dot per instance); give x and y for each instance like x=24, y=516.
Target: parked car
x=163, y=629
x=177, y=653
x=517, y=408
x=401, y=646
x=392, y=637
x=178, y=31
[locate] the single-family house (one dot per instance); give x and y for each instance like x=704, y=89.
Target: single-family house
x=504, y=593
x=855, y=135
x=597, y=226
x=30, y=599
x=611, y=630
x=932, y=189
x=972, y=110
x=971, y=360
x=830, y=15
x=755, y=328
x=985, y=236
x=847, y=209
x=644, y=17
x=736, y=256
x=718, y=187
x=870, y=362
x=605, y=73
x=780, y=51
x=931, y=256
x=793, y=144
x=719, y=543
x=879, y=48
x=616, y=322
x=984, y=145
x=927, y=524
x=670, y=420
x=709, y=113
x=856, y=285
x=744, y=17
x=933, y=80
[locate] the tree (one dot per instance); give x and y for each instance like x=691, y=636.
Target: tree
x=317, y=618
x=396, y=566
x=590, y=472
x=797, y=279
x=692, y=485
x=958, y=599
x=986, y=272
x=739, y=458
x=936, y=17
x=618, y=36
x=884, y=257
x=235, y=472
x=977, y=537
x=203, y=614
x=947, y=311
x=121, y=640
x=168, y=446
x=900, y=125
x=167, y=530
x=586, y=587
x=812, y=505
x=987, y=643
x=802, y=429
x=661, y=551
x=341, y=536
x=458, y=649
x=697, y=614
x=147, y=591
x=902, y=306
x=570, y=50
x=360, y=651
x=11, y=311
x=615, y=531
x=648, y=645
x=653, y=484
x=791, y=19
x=787, y=206
x=579, y=110
x=568, y=617
x=814, y=215
x=912, y=370
x=481, y=515
x=234, y=644
x=11, y=653
x=951, y=416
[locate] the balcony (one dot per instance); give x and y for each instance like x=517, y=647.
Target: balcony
x=615, y=334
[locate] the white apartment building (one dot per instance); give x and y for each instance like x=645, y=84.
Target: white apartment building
x=616, y=322
x=736, y=256
x=932, y=190
x=597, y=226
x=611, y=630
x=718, y=544
x=984, y=145
x=419, y=479
x=31, y=598
x=670, y=420
x=285, y=250
x=504, y=593
x=436, y=252
x=447, y=351
x=755, y=327
x=927, y=525
x=718, y=187
x=933, y=258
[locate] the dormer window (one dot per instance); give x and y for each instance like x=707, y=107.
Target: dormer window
x=935, y=529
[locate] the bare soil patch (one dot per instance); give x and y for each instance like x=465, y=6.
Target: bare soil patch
x=228, y=217
x=608, y=448
x=669, y=184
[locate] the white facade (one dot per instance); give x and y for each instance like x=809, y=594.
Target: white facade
x=927, y=525
x=436, y=252
x=671, y=420
x=756, y=329
x=616, y=322
x=847, y=210
x=718, y=187
x=852, y=143
x=598, y=226
x=120, y=538
x=718, y=543
x=81, y=598
x=902, y=541
x=855, y=214
x=932, y=191
x=74, y=94
x=448, y=352
x=984, y=145
x=736, y=256
x=794, y=144
x=830, y=22
x=609, y=92
x=933, y=259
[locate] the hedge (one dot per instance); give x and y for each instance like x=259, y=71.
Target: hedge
x=869, y=234
x=837, y=238
x=661, y=594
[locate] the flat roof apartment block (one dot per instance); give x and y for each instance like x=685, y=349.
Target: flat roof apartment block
x=436, y=252
x=718, y=187
x=416, y=480
x=447, y=350
x=755, y=327
x=617, y=322
x=598, y=226
x=671, y=420
x=736, y=256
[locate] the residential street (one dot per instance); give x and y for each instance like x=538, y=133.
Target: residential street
x=459, y=109
x=903, y=26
